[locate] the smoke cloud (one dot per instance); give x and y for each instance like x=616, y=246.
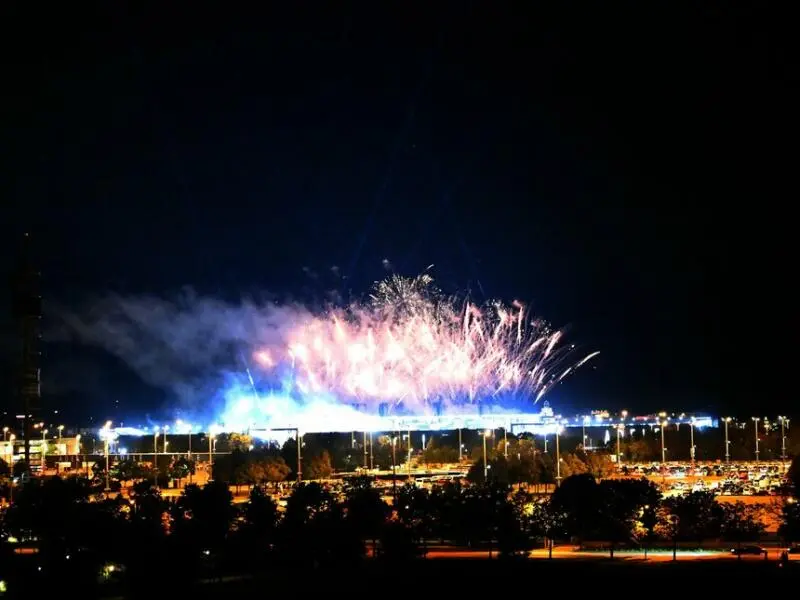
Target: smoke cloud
x=191, y=346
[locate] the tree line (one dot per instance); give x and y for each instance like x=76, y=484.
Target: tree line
x=153, y=542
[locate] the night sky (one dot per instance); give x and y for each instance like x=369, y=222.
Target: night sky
x=624, y=170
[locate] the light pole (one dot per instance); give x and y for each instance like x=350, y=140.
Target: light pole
x=485, y=465
x=784, y=423
x=107, y=431
x=10, y=449
x=5, y=433
x=755, y=423
x=371, y=457
x=78, y=451
x=155, y=453
x=44, y=448
x=409, y=452
x=210, y=454
x=505, y=442
x=727, y=420
x=663, y=425
x=619, y=454
x=691, y=440
x=60, y=429
x=300, y=455
x=365, y=450
x=460, y=446
x=394, y=463
x=558, y=456
x=166, y=429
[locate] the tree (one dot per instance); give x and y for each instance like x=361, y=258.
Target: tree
x=261, y=513
x=741, y=523
x=399, y=543
x=547, y=521
x=699, y=516
x=437, y=454
x=412, y=505
x=320, y=466
x=366, y=511
x=599, y=464
x=512, y=525
x=789, y=528
x=180, y=469
x=306, y=502
x=314, y=530
x=625, y=501
x=793, y=475
x=263, y=469
x=20, y=468
x=257, y=531
x=240, y=441
x=571, y=464
x=476, y=472
x=579, y=499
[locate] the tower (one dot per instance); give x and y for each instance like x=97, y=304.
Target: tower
x=27, y=313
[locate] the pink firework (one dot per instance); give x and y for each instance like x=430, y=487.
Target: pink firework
x=411, y=345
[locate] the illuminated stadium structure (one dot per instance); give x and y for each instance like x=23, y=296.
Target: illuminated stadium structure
x=545, y=422
x=327, y=418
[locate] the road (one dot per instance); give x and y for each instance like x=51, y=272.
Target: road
x=567, y=552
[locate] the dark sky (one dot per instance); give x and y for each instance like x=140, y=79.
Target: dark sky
x=622, y=168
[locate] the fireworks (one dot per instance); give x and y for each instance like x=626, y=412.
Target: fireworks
x=408, y=348
x=411, y=345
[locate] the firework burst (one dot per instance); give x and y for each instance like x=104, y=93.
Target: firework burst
x=411, y=345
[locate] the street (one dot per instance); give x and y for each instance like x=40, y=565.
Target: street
x=568, y=552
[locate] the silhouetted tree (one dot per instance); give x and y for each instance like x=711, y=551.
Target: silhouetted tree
x=320, y=466
x=789, y=528
x=399, y=543
x=741, y=522
x=699, y=516
x=793, y=475
x=366, y=511
x=579, y=499
x=547, y=521
x=314, y=530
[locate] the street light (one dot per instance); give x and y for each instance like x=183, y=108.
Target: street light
x=60, y=429
x=663, y=425
x=365, y=451
x=727, y=420
x=44, y=448
x=460, y=446
x=691, y=438
x=107, y=433
x=558, y=456
x=619, y=429
x=5, y=434
x=485, y=465
x=410, y=450
x=78, y=451
x=784, y=423
x=155, y=452
x=210, y=453
x=755, y=423
x=394, y=463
